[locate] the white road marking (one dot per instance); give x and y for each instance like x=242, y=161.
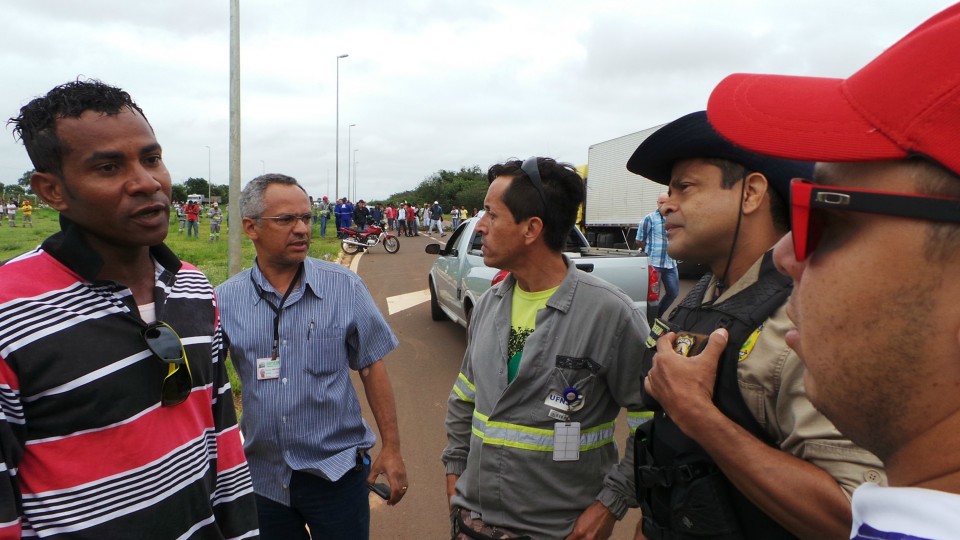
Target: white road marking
x=396, y=304
x=355, y=263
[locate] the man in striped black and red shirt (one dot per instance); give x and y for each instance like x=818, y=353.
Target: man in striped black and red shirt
x=116, y=415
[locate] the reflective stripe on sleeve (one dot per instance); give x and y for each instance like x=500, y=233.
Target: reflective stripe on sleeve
x=638, y=418
x=465, y=389
x=535, y=439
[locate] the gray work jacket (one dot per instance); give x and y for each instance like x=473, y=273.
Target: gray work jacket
x=501, y=436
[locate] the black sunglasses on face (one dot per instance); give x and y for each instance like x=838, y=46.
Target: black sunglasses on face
x=285, y=220
x=807, y=200
x=165, y=344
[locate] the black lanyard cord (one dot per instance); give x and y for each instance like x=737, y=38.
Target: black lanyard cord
x=277, y=309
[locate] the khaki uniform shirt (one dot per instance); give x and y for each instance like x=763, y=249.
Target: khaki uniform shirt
x=774, y=392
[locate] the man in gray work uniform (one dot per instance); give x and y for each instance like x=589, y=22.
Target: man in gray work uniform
x=553, y=355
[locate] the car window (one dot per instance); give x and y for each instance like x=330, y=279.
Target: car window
x=455, y=237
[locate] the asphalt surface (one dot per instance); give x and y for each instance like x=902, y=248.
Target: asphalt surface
x=422, y=371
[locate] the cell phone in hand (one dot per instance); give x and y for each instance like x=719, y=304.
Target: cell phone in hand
x=382, y=490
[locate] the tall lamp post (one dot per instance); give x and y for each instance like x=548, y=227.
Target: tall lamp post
x=349, y=135
x=337, y=166
x=208, y=175
x=355, y=150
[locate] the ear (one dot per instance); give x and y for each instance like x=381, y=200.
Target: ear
x=755, y=190
x=49, y=187
x=250, y=228
x=533, y=230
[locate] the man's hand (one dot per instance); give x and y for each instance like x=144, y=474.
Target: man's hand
x=390, y=464
x=682, y=385
x=451, y=488
x=376, y=385
x=595, y=523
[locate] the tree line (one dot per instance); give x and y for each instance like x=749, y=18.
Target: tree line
x=466, y=187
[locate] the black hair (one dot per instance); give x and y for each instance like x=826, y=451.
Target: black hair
x=563, y=192
x=37, y=122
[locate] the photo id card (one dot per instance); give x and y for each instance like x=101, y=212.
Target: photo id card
x=566, y=441
x=268, y=368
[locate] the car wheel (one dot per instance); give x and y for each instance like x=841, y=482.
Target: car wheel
x=436, y=313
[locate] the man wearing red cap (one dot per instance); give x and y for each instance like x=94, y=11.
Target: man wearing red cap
x=874, y=257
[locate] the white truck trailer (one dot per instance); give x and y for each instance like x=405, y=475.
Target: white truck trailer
x=617, y=199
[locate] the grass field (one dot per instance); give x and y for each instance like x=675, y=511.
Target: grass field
x=209, y=257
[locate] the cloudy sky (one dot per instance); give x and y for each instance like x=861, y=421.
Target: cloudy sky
x=430, y=84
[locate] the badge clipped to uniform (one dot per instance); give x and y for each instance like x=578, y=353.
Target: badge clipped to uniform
x=268, y=368
x=686, y=343
x=566, y=441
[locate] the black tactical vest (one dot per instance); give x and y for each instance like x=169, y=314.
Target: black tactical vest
x=683, y=494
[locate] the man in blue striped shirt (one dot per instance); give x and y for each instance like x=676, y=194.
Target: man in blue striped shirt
x=652, y=238
x=296, y=326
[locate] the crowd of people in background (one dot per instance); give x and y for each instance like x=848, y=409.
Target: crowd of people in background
x=404, y=218
x=9, y=208
x=190, y=213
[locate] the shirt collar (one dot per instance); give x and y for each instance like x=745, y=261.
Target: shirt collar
x=310, y=279
x=562, y=298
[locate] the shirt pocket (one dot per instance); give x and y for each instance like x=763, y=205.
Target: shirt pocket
x=326, y=351
x=577, y=376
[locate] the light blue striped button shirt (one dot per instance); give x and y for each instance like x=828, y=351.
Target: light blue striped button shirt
x=308, y=419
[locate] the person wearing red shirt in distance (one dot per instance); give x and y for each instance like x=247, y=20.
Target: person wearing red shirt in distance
x=193, y=218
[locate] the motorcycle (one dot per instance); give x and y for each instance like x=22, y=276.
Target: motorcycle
x=373, y=235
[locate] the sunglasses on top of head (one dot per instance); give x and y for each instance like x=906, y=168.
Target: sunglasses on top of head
x=808, y=200
x=532, y=169
x=165, y=344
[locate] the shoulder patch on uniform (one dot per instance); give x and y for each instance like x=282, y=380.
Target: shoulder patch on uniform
x=749, y=344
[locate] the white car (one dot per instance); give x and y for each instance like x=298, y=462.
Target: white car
x=459, y=277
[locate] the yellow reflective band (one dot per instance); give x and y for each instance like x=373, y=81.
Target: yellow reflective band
x=636, y=419
x=464, y=389
x=469, y=384
x=536, y=439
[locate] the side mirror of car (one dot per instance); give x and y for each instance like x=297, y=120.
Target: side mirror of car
x=432, y=249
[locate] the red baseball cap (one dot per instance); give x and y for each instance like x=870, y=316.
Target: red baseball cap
x=904, y=103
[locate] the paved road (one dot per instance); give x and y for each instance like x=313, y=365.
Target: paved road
x=422, y=370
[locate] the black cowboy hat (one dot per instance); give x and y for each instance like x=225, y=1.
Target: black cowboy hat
x=692, y=136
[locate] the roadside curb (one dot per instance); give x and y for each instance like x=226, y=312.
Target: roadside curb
x=350, y=260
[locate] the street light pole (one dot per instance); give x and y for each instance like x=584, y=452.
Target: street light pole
x=355, y=150
x=337, y=159
x=349, y=135
x=208, y=175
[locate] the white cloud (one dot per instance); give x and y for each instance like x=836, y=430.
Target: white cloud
x=430, y=83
